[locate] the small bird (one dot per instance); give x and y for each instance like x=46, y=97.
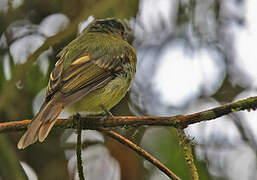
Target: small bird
x=93, y=73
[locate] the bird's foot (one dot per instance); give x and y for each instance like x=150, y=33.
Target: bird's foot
x=107, y=113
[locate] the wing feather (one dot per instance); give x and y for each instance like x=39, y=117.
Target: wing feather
x=55, y=78
x=81, y=73
x=89, y=75
x=85, y=71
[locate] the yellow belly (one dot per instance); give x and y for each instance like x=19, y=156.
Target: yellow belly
x=108, y=96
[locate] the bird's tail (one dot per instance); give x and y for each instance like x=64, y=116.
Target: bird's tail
x=41, y=124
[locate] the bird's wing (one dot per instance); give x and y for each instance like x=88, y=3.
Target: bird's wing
x=84, y=74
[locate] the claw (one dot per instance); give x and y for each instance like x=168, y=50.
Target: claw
x=106, y=111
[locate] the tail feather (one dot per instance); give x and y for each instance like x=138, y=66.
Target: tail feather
x=49, y=122
x=41, y=124
x=44, y=130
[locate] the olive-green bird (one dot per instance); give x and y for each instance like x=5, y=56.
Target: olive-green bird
x=94, y=71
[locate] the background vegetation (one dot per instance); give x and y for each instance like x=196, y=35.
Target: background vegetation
x=192, y=55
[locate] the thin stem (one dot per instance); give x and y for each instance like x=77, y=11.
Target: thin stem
x=140, y=152
x=185, y=144
x=78, y=151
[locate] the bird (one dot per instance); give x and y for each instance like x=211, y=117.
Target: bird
x=93, y=73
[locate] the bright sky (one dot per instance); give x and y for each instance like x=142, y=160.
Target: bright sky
x=182, y=76
x=245, y=45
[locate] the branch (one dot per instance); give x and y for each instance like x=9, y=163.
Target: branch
x=78, y=152
x=141, y=152
x=185, y=144
x=181, y=121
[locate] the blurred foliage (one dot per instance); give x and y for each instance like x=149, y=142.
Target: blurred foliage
x=187, y=26
x=9, y=159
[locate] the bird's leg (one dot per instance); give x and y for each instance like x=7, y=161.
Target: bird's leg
x=107, y=113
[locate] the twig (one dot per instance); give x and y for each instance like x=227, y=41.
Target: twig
x=185, y=144
x=181, y=121
x=78, y=151
x=140, y=151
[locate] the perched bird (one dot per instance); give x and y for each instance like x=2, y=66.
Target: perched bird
x=93, y=71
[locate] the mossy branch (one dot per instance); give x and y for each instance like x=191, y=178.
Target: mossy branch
x=179, y=121
x=186, y=146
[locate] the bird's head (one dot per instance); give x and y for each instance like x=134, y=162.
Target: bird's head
x=109, y=26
